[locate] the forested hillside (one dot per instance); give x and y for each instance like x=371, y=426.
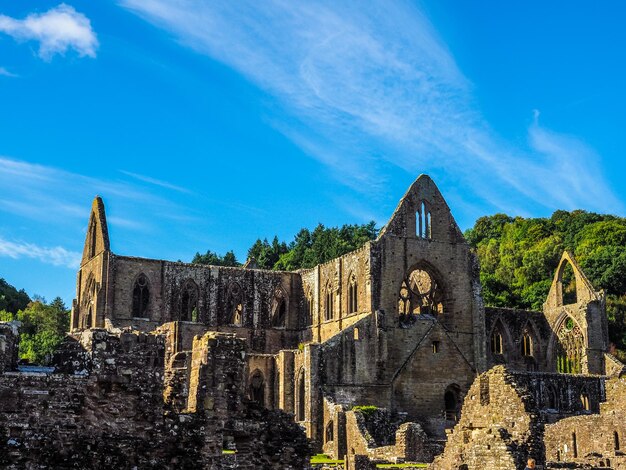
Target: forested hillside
x=518, y=258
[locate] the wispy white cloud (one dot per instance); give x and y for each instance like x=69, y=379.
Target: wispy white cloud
x=57, y=255
x=376, y=85
x=5, y=73
x=57, y=30
x=49, y=194
x=155, y=181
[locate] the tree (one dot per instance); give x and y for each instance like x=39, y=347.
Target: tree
x=229, y=259
x=42, y=330
x=11, y=299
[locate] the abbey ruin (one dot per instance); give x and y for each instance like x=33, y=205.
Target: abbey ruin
x=386, y=354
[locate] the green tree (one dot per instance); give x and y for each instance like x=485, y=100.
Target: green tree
x=11, y=299
x=42, y=330
x=229, y=259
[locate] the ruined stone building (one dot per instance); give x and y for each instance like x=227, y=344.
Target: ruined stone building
x=376, y=355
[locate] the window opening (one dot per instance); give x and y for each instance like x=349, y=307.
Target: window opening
x=141, y=296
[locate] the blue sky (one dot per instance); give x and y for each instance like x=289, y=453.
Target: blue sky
x=208, y=124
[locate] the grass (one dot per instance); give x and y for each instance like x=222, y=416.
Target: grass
x=401, y=465
x=226, y=451
x=324, y=459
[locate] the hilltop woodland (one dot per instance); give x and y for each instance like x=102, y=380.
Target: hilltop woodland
x=517, y=256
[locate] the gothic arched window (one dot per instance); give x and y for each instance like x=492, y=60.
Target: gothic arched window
x=189, y=301
x=234, y=304
x=279, y=308
x=570, y=347
x=420, y=293
x=257, y=388
x=329, y=312
x=141, y=296
x=423, y=222
x=353, y=297
x=497, y=344
x=527, y=344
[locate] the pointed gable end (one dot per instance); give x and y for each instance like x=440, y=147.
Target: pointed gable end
x=97, y=239
x=423, y=213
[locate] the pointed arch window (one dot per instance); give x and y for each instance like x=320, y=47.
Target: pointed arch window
x=567, y=283
x=570, y=347
x=352, y=295
x=279, y=309
x=189, y=301
x=257, y=388
x=329, y=307
x=89, y=303
x=420, y=293
x=141, y=296
x=527, y=344
x=497, y=343
x=423, y=222
x=234, y=304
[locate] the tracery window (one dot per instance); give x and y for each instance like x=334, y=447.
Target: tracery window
x=423, y=222
x=420, y=294
x=141, y=296
x=189, y=301
x=234, y=304
x=570, y=347
x=352, y=295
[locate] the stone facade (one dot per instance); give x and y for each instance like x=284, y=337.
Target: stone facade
x=398, y=325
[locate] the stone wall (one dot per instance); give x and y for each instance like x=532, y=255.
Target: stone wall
x=107, y=408
x=507, y=415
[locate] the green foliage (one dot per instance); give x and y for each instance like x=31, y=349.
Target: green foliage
x=267, y=255
x=229, y=259
x=12, y=300
x=307, y=249
x=518, y=258
x=43, y=328
x=365, y=410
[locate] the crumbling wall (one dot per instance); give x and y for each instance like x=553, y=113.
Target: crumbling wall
x=592, y=438
x=117, y=404
x=407, y=441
